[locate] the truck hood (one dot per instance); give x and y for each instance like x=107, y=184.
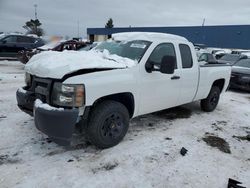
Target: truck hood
x=51, y=64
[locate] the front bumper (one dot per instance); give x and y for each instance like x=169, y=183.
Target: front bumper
x=25, y=100
x=57, y=123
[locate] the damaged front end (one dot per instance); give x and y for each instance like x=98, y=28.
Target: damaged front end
x=56, y=122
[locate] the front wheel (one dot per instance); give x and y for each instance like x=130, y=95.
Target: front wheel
x=210, y=103
x=108, y=124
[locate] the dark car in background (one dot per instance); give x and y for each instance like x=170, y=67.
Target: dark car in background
x=231, y=58
x=10, y=45
x=240, y=77
x=25, y=55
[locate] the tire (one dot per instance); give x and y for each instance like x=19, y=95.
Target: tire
x=108, y=124
x=210, y=103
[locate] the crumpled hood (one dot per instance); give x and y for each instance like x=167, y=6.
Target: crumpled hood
x=53, y=64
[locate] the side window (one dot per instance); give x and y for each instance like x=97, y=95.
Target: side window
x=22, y=39
x=31, y=40
x=10, y=39
x=165, y=49
x=186, y=56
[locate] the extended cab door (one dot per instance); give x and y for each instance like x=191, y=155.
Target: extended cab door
x=159, y=91
x=189, y=73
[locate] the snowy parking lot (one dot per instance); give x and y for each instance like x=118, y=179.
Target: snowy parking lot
x=149, y=156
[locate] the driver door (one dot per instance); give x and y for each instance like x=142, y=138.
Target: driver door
x=159, y=91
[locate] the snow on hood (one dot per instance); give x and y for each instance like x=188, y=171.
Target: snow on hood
x=52, y=64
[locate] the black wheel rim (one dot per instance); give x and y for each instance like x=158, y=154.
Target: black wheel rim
x=112, y=127
x=214, y=99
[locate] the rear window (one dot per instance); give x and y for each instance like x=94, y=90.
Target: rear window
x=186, y=56
x=243, y=63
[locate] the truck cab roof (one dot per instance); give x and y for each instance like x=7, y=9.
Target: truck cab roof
x=148, y=36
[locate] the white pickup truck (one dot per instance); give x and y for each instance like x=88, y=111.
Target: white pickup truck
x=127, y=76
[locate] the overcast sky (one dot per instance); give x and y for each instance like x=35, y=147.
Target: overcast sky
x=59, y=17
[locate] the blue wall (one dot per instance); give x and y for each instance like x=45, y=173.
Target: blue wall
x=228, y=36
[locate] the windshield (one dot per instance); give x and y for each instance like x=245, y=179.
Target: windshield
x=133, y=49
x=230, y=57
x=243, y=63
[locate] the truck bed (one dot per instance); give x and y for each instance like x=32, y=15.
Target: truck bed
x=209, y=73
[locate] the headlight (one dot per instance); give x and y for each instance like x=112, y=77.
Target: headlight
x=27, y=79
x=68, y=95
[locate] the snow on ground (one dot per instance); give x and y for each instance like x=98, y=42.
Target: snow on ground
x=149, y=156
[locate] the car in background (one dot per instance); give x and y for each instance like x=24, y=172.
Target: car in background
x=89, y=46
x=11, y=44
x=200, y=49
x=240, y=77
x=240, y=51
x=231, y=59
x=25, y=55
x=219, y=54
x=246, y=53
x=207, y=58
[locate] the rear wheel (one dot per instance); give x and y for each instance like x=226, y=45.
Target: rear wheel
x=108, y=124
x=210, y=103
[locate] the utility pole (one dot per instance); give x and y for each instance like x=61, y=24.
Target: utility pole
x=78, y=29
x=204, y=35
x=35, y=5
x=203, y=23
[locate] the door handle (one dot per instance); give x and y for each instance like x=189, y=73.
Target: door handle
x=175, y=78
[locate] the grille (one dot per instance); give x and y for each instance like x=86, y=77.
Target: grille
x=41, y=87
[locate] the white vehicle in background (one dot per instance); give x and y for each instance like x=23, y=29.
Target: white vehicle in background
x=246, y=53
x=200, y=49
x=102, y=89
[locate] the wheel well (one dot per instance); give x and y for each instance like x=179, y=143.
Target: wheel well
x=219, y=83
x=127, y=99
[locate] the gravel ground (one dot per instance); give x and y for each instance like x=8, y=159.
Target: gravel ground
x=149, y=156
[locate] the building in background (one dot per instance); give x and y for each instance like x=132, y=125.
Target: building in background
x=226, y=36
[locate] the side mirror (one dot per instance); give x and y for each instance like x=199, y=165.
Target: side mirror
x=4, y=41
x=168, y=65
